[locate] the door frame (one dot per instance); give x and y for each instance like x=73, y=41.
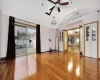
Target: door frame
x=97, y=37
x=79, y=37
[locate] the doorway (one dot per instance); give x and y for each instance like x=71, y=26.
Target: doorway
x=25, y=40
x=74, y=41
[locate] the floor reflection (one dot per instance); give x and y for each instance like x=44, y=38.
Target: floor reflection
x=51, y=66
x=70, y=66
x=74, y=49
x=78, y=71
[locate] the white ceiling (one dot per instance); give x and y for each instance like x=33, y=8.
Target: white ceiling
x=33, y=11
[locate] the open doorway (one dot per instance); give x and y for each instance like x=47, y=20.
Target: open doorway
x=74, y=40
x=25, y=40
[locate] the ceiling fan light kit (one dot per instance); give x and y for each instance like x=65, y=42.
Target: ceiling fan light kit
x=54, y=21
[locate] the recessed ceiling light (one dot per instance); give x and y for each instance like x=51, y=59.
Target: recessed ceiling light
x=54, y=21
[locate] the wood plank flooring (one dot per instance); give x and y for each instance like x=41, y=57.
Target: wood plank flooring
x=51, y=66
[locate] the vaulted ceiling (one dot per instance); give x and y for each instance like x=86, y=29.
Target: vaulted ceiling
x=33, y=11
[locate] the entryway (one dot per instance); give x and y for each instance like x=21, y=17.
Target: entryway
x=74, y=40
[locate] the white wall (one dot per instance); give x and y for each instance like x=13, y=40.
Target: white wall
x=4, y=34
x=0, y=34
x=92, y=17
x=0, y=5
x=47, y=33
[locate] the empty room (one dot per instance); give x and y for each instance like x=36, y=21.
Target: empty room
x=49, y=40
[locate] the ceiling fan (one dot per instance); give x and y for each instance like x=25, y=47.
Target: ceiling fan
x=58, y=2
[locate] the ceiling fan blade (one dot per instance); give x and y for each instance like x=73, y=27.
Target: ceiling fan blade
x=52, y=8
x=65, y=3
x=59, y=1
x=52, y=1
x=59, y=9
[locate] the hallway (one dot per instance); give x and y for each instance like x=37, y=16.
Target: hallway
x=51, y=66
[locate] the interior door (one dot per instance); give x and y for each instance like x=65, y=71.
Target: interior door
x=61, y=47
x=94, y=40
x=88, y=41
x=91, y=40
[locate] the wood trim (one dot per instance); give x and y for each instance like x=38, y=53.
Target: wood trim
x=97, y=37
x=80, y=39
x=24, y=24
x=65, y=43
x=63, y=40
x=58, y=43
x=58, y=39
x=84, y=40
x=24, y=21
x=73, y=28
x=91, y=22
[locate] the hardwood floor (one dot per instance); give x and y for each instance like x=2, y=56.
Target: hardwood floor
x=73, y=49
x=51, y=66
